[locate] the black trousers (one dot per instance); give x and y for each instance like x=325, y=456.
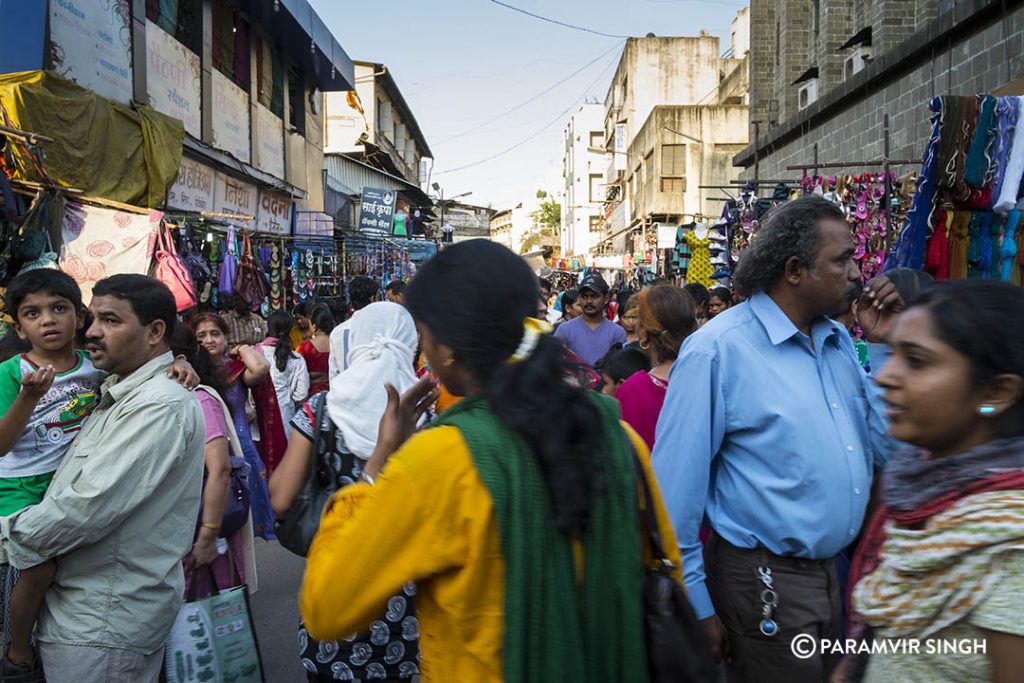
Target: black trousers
x=808, y=603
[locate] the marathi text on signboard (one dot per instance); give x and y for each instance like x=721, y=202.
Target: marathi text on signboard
x=173, y=78
x=269, y=142
x=230, y=117
x=193, y=189
x=235, y=197
x=275, y=213
x=377, y=210
x=90, y=43
x=620, y=147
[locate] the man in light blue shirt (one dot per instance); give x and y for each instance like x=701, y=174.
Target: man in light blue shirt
x=770, y=432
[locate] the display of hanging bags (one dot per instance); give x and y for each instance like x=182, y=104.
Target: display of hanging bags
x=168, y=269
x=250, y=285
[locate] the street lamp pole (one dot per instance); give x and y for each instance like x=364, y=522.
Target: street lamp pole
x=444, y=202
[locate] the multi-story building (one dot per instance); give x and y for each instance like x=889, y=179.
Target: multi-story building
x=375, y=122
x=373, y=126
x=583, y=166
x=244, y=78
x=675, y=114
x=514, y=227
x=824, y=75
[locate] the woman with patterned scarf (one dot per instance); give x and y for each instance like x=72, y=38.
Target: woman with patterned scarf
x=516, y=513
x=942, y=561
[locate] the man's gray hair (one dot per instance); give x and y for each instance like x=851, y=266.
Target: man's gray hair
x=790, y=229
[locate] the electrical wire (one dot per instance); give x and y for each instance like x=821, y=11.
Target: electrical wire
x=528, y=100
x=557, y=119
x=555, y=21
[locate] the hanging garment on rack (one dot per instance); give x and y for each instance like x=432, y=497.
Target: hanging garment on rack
x=937, y=259
x=1008, y=248
x=700, y=269
x=1007, y=113
x=909, y=250
x=1010, y=186
x=959, y=237
x=976, y=165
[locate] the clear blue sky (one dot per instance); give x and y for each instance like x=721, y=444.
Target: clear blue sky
x=460, y=63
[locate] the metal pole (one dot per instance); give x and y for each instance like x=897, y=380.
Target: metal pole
x=885, y=166
x=757, y=157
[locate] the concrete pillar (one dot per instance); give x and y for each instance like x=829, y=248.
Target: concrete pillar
x=140, y=89
x=892, y=22
x=763, y=49
x=206, y=65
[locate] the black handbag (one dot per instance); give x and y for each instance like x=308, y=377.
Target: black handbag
x=296, y=528
x=677, y=648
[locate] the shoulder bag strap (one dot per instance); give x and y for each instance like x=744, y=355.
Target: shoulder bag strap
x=233, y=442
x=649, y=517
x=318, y=418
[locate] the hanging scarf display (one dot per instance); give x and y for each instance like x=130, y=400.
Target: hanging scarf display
x=963, y=221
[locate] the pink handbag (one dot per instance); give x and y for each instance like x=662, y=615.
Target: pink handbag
x=169, y=269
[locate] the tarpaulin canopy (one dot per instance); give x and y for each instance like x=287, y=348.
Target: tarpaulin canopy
x=130, y=155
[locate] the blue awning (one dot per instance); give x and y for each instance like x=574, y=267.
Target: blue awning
x=295, y=26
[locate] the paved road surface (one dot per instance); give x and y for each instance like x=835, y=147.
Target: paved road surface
x=276, y=612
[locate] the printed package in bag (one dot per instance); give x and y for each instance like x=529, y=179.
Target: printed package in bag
x=213, y=639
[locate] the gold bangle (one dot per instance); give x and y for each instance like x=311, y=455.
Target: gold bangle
x=368, y=479
x=211, y=526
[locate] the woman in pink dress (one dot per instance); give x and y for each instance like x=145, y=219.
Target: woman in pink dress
x=667, y=316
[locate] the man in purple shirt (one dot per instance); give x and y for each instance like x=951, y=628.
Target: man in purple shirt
x=592, y=334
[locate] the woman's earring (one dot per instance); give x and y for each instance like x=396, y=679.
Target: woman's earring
x=986, y=409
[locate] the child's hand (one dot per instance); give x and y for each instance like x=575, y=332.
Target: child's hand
x=35, y=384
x=183, y=373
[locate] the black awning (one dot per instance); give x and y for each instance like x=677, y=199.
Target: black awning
x=807, y=75
x=862, y=37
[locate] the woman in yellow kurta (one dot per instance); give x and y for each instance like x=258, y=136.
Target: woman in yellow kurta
x=517, y=516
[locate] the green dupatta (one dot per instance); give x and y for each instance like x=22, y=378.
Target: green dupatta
x=556, y=628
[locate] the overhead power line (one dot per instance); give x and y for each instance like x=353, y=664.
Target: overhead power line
x=560, y=117
x=555, y=21
x=528, y=100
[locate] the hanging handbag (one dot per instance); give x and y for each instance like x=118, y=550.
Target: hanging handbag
x=226, y=279
x=677, y=649
x=249, y=283
x=236, y=509
x=193, y=260
x=168, y=269
x=296, y=528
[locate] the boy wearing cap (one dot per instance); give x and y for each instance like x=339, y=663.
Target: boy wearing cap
x=591, y=335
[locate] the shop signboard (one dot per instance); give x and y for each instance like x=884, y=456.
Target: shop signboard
x=275, y=213
x=193, y=189
x=90, y=43
x=377, y=210
x=620, y=147
x=230, y=117
x=232, y=196
x=269, y=142
x=173, y=78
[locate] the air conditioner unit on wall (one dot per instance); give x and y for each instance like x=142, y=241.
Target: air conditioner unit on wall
x=808, y=94
x=857, y=61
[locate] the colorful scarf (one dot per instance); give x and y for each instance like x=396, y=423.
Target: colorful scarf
x=273, y=440
x=558, y=626
x=926, y=557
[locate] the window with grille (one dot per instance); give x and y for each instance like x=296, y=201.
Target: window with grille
x=673, y=185
x=270, y=77
x=231, y=44
x=595, y=224
x=673, y=168
x=182, y=19
x=597, y=138
x=296, y=100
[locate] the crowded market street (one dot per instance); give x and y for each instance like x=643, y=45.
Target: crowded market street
x=481, y=341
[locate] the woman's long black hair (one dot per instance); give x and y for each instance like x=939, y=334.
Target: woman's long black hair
x=183, y=343
x=473, y=297
x=279, y=325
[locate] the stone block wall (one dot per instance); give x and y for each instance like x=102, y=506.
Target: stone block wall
x=847, y=126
